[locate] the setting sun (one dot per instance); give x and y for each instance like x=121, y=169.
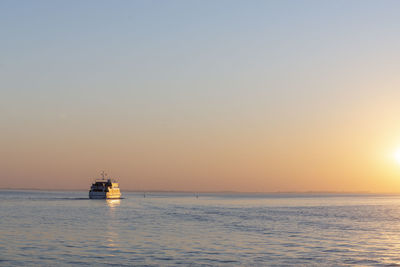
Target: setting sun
x=397, y=155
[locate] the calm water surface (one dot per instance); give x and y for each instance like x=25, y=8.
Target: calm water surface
x=65, y=228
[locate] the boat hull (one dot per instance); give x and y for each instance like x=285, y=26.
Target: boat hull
x=104, y=195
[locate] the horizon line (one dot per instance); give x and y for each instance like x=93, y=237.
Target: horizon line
x=215, y=192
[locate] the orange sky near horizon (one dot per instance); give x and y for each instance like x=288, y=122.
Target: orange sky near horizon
x=342, y=153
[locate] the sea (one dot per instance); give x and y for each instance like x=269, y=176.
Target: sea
x=50, y=228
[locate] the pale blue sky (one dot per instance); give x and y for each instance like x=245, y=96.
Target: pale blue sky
x=143, y=70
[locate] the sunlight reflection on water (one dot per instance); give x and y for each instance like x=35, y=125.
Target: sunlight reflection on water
x=112, y=203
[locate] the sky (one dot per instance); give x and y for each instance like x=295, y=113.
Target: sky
x=249, y=96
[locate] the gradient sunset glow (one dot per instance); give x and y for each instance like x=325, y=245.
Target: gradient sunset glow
x=259, y=96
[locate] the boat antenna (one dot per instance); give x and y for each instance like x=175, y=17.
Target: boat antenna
x=103, y=175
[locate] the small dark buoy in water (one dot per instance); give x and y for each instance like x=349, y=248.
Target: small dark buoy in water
x=144, y=195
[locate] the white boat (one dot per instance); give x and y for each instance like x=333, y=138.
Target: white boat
x=104, y=188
